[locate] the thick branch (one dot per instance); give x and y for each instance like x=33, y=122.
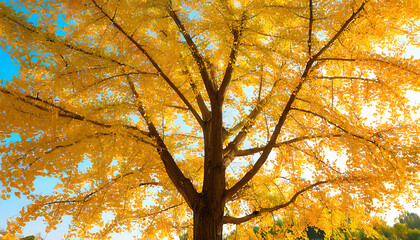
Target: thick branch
x=182, y=183
x=233, y=220
x=267, y=150
x=153, y=62
x=199, y=60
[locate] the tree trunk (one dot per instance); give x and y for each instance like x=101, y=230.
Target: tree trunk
x=208, y=213
x=208, y=223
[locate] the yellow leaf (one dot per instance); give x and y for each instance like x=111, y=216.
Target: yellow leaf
x=17, y=194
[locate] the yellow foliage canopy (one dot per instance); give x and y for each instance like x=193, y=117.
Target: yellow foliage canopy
x=156, y=111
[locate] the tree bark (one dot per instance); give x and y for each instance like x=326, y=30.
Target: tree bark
x=208, y=222
x=208, y=213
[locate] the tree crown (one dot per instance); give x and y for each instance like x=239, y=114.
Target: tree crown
x=293, y=107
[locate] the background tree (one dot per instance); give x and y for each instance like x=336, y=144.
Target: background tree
x=160, y=116
x=411, y=219
x=376, y=229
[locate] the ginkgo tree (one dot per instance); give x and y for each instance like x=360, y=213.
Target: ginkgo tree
x=169, y=117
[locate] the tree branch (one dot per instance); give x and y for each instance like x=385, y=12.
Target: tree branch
x=311, y=21
x=161, y=211
x=349, y=77
x=245, y=125
x=205, y=113
x=364, y=138
x=88, y=197
x=232, y=60
x=47, y=106
x=199, y=60
x=372, y=60
x=342, y=29
x=52, y=149
x=153, y=62
x=234, y=220
x=314, y=156
x=250, y=151
x=116, y=76
x=338, y=126
x=182, y=183
x=70, y=46
x=254, y=113
x=283, y=6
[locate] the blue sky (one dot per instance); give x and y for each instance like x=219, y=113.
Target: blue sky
x=12, y=206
